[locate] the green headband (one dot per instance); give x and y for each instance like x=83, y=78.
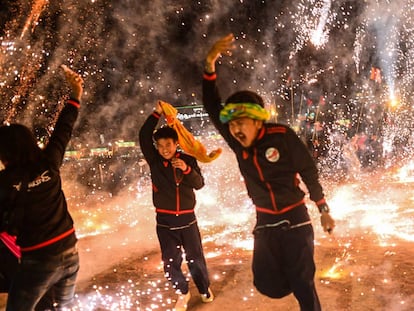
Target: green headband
x=233, y=111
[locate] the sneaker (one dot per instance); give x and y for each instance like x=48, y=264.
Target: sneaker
x=182, y=302
x=209, y=297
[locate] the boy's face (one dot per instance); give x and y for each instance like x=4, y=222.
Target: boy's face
x=167, y=147
x=245, y=130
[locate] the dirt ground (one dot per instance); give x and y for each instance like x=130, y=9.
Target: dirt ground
x=375, y=278
x=366, y=264
x=369, y=277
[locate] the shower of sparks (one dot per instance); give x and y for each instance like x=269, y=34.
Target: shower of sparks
x=370, y=204
x=311, y=20
x=319, y=35
x=388, y=219
x=358, y=47
x=37, y=8
x=334, y=272
x=406, y=173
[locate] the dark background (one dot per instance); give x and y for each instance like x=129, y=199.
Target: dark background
x=132, y=53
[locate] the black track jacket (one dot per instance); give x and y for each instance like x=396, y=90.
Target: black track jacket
x=47, y=226
x=172, y=189
x=271, y=166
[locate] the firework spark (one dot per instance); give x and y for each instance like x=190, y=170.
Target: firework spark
x=31, y=22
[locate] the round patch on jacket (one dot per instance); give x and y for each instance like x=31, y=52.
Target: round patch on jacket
x=272, y=154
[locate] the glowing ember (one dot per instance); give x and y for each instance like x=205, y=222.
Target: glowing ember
x=37, y=8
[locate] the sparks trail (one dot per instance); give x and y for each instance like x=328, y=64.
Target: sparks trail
x=37, y=8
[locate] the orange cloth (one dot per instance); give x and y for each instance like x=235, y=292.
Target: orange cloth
x=185, y=139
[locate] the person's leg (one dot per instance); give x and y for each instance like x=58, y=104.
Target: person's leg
x=8, y=267
x=195, y=258
x=46, y=301
x=268, y=275
x=30, y=283
x=61, y=294
x=298, y=249
x=44, y=283
x=172, y=257
x=4, y=284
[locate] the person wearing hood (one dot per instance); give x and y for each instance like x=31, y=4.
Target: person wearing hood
x=34, y=209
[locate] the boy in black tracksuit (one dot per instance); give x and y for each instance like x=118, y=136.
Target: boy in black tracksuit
x=174, y=177
x=271, y=157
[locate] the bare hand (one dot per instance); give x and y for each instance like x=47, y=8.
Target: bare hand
x=223, y=46
x=327, y=222
x=75, y=82
x=158, y=107
x=178, y=163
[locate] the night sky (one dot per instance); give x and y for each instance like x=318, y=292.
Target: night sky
x=132, y=53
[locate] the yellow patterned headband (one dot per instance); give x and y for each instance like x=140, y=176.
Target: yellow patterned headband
x=233, y=111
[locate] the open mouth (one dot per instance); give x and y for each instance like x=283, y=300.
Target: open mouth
x=240, y=136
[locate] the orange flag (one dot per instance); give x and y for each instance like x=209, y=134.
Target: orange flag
x=186, y=140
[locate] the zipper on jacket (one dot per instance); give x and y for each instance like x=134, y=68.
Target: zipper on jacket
x=177, y=191
x=259, y=170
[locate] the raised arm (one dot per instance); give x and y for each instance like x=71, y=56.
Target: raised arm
x=146, y=131
x=62, y=133
x=75, y=82
x=224, y=46
x=211, y=95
